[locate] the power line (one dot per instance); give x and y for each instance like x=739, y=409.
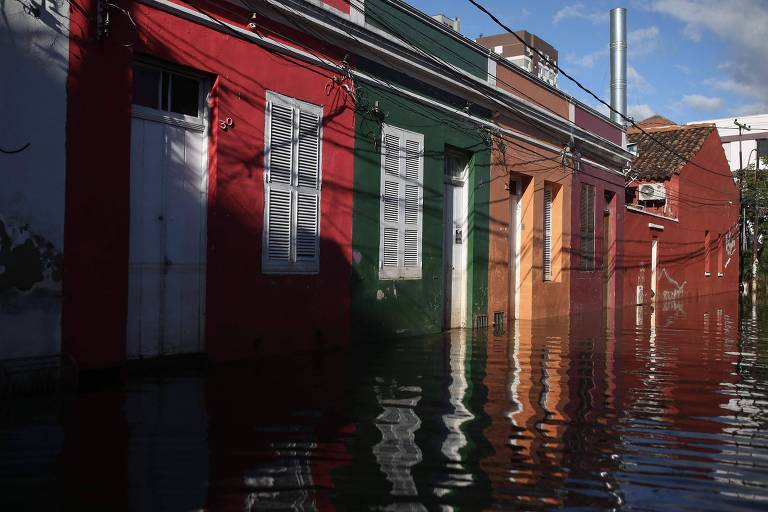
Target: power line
x=587, y=90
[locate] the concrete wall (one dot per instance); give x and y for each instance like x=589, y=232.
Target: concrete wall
x=34, y=49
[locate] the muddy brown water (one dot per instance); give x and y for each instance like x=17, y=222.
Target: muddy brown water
x=662, y=410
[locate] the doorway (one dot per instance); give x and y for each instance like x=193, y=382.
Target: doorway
x=455, y=194
x=609, y=267
x=168, y=207
x=654, y=264
x=513, y=244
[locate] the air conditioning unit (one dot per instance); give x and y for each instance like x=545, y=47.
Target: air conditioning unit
x=652, y=192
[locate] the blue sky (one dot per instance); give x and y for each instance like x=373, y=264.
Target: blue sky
x=688, y=59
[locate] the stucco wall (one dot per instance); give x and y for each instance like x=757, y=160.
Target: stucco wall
x=707, y=201
x=34, y=50
x=249, y=313
x=389, y=308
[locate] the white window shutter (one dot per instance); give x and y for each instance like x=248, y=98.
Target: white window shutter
x=279, y=225
x=547, y=242
x=391, y=190
x=401, y=199
x=308, y=182
x=292, y=186
x=413, y=163
x=280, y=144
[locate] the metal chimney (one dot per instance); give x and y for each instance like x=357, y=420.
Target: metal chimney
x=618, y=63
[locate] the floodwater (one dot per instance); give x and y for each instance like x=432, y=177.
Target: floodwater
x=644, y=411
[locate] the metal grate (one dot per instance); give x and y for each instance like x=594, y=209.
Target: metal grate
x=481, y=322
x=498, y=318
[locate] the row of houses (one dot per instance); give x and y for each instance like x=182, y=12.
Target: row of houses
x=250, y=178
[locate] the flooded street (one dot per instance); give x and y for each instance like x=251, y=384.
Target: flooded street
x=662, y=411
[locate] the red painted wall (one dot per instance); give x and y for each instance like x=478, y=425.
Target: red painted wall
x=248, y=313
x=588, y=287
x=707, y=200
x=594, y=124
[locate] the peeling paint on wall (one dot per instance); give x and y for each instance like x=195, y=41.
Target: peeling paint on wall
x=27, y=260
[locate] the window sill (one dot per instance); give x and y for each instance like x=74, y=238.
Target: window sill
x=720, y=274
x=707, y=274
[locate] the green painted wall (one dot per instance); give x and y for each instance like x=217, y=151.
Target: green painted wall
x=391, y=308
x=389, y=18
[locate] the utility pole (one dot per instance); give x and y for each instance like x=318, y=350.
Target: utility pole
x=741, y=127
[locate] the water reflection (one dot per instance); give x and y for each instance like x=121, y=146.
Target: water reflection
x=654, y=408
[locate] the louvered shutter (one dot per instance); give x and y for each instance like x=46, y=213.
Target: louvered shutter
x=401, y=197
x=547, y=242
x=292, y=185
x=308, y=187
x=279, y=164
x=412, y=207
x=587, y=227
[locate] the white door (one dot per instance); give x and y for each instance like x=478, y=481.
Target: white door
x=513, y=253
x=654, y=262
x=455, y=240
x=166, y=266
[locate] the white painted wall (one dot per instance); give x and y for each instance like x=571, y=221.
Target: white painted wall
x=34, y=55
x=726, y=128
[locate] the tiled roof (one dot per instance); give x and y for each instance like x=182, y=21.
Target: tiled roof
x=655, y=163
x=656, y=121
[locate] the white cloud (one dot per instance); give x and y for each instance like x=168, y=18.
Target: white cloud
x=637, y=82
x=640, y=112
x=702, y=103
x=741, y=24
x=643, y=41
x=683, y=68
x=588, y=60
x=578, y=11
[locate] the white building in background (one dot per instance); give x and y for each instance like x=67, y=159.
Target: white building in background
x=751, y=145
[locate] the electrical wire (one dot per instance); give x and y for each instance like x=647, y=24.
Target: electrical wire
x=588, y=91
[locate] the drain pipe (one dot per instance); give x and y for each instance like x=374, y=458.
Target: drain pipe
x=619, y=64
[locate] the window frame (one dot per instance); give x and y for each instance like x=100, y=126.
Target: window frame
x=293, y=265
x=548, y=190
x=401, y=272
x=158, y=114
x=587, y=260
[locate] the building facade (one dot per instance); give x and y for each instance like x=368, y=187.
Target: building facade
x=315, y=172
x=682, y=219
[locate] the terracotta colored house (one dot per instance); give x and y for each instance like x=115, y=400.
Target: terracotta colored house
x=556, y=208
x=681, y=233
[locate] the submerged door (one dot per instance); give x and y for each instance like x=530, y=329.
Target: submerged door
x=455, y=239
x=654, y=263
x=166, y=265
x=513, y=252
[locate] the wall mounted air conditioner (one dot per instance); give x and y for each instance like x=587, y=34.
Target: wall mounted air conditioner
x=652, y=192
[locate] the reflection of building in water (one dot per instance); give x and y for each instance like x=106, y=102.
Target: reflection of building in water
x=548, y=382
x=397, y=451
x=454, y=421
x=284, y=482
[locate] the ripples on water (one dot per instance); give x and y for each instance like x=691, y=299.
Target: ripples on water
x=662, y=411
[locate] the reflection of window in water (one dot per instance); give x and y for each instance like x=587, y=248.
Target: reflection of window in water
x=284, y=483
x=456, y=440
x=397, y=451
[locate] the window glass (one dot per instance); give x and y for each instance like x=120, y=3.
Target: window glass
x=185, y=94
x=146, y=86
